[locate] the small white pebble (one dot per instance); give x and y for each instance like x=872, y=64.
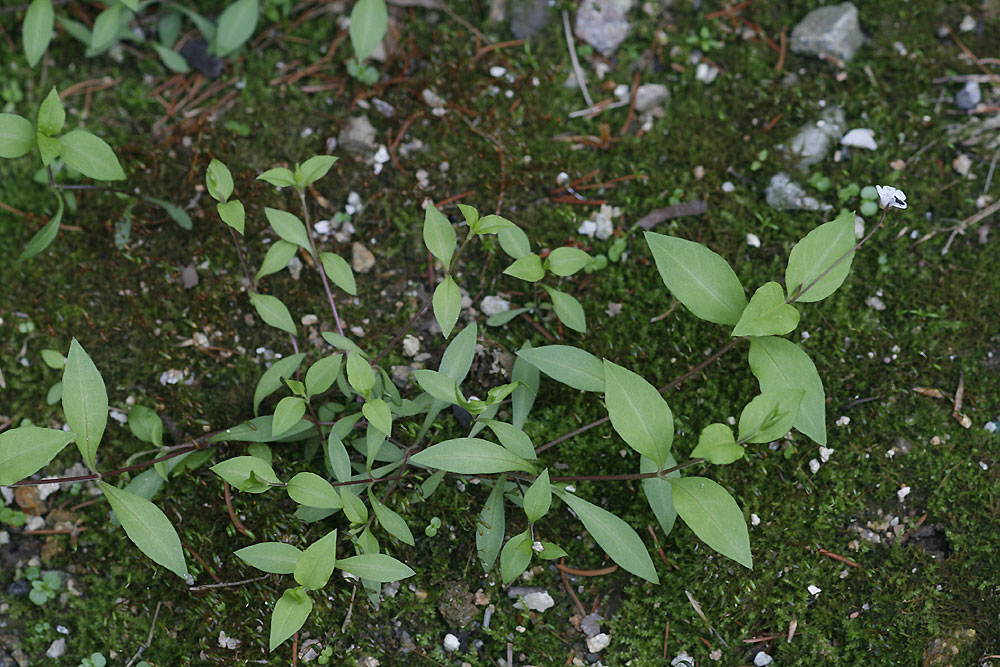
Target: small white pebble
x=322, y=227
x=902, y=493
x=118, y=416
x=824, y=454
x=411, y=345
x=762, y=659
x=814, y=466
x=309, y=320
x=814, y=590
x=982, y=464
x=753, y=240
x=754, y=520
x=843, y=421
x=494, y=305
x=358, y=331
x=598, y=642
x=497, y=71
x=451, y=643
x=728, y=187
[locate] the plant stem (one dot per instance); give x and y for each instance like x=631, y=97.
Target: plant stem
x=243, y=261
x=319, y=264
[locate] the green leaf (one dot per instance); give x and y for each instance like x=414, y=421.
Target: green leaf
x=288, y=227
x=75, y=29
x=277, y=258
x=439, y=236
x=638, y=413
x=338, y=458
x=494, y=224
x=309, y=489
x=360, y=374
x=171, y=59
x=457, y=358
x=236, y=26
x=339, y=271
x=515, y=557
x=279, y=177
x=44, y=236
x=17, y=135
x=51, y=114
x=354, y=508
x=490, y=527
x=817, y=253
x=698, y=278
x=315, y=565
x=527, y=267
x=551, y=551
x=658, y=493
x=447, y=303
x=258, y=429
x=146, y=425
x=369, y=20
x=375, y=567
x=506, y=316
x=54, y=359
x=377, y=412
x=233, y=214
x=287, y=414
x=514, y=242
x=106, y=27
x=148, y=528
x=36, y=31
x=322, y=374
x=91, y=156
x=538, y=497
x=85, y=402
x=568, y=310
x=315, y=168
x=27, y=449
x=767, y=314
x=470, y=456
x=714, y=516
x=780, y=364
x=523, y=397
x=219, y=181
x=272, y=378
x=48, y=148
x=289, y=615
x=390, y=521
x=168, y=29
x=513, y=439
x=54, y=394
x=247, y=474
x=566, y=261
x=438, y=385
x=274, y=557
x=570, y=365
x=616, y=537
x=717, y=444
x=273, y=312
x=342, y=342
x=769, y=416
x=176, y=213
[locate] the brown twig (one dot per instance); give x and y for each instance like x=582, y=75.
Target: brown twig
x=232, y=512
x=586, y=573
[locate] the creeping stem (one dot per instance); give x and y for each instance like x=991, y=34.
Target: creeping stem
x=319, y=264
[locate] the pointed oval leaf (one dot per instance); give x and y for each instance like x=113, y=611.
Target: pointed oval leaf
x=514, y=242
x=390, y=521
x=337, y=457
x=176, y=213
x=457, y=358
x=493, y=224
x=148, y=528
x=322, y=374
x=570, y=365
x=354, y=508
x=439, y=236
x=315, y=168
x=44, y=236
x=219, y=181
x=513, y=439
x=616, y=537
x=568, y=309
x=279, y=177
x=146, y=425
x=36, y=31
x=523, y=397
x=528, y=268
x=767, y=314
x=515, y=557
x=27, y=449
x=17, y=135
x=377, y=412
x=470, y=456
x=360, y=374
x=288, y=227
x=717, y=444
x=769, y=416
x=339, y=271
x=375, y=567
x=780, y=364
x=638, y=413
x=714, y=516
x=275, y=557
x=315, y=565
x=287, y=414
x=658, y=493
x=273, y=312
x=272, y=378
x=48, y=148
x=447, y=305
x=247, y=473
x=233, y=214
x=311, y=490
x=491, y=525
x=236, y=26
x=91, y=156
x=106, y=27
x=698, y=278
x=538, y=497
x=289, y=615
x=369, y=21
x=814, y=255
x=342, y=343
x=173, y=60
x=51, y=114
x=277, y=258
x=85, y=402
x=566, y=261
x=438, y=385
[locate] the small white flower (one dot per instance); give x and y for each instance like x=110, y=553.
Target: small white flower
x=889, y=195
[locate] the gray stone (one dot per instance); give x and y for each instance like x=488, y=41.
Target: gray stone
x=602, y=24
x=189, y=277
x=362, y=259
x=357, y=135
x=969, y=96
x=650, y=96
x=784, y=194
x=814, y=140
x=529, y=17
x=591, y=624
x=833, y=31
x=57, y=649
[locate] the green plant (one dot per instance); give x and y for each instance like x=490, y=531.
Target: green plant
x=369, y=21
x=43, y=586
x=370, y=439
x=94, y=660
